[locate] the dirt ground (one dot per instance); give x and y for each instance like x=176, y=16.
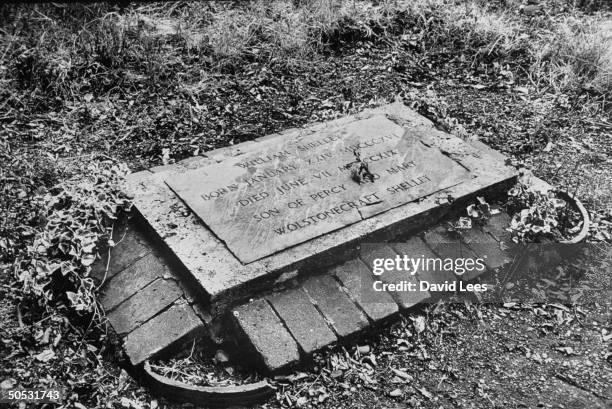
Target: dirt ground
x=173, y=101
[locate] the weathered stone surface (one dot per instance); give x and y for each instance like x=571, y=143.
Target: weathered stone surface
x=129, y=249
x=225, y=278
x=303, y=320
x=172, y=328
x=144, y=305
x=415, y=247
x=276, y=197
x=131, y=280
x=343, y=315
x=267, y=335
x=357, y=279
x=406, y=299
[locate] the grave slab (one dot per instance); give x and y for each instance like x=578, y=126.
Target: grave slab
x=223, y=249
x=232, y=255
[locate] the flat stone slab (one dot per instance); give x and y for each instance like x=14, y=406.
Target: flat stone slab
x=232, y=255
x=282, y=195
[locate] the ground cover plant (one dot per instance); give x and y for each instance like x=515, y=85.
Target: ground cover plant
x=86, y=90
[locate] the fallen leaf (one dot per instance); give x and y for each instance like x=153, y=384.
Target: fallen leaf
x=336, y=374
x=365, y=349
x=407, y=377
x=425, y=393
x=8, y=383
x=419, y=323
x=221, y=356
x=370, y=359
x=45, y=356
x=548, y=147
x=566, y=350
x=396, y=392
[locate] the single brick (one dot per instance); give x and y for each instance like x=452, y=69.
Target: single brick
x=303, y=320
x=144, y=305
x=357, y=280
x=447, y=244
x=497, y=225
x=131, y=280
x=131, y=248
x=406, y=299
x=485, y=246
x=273, y=344
x=416, y=248
x=336, y=306
x=169, y=330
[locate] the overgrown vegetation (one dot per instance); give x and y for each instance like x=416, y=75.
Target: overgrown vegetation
x=76, y=218
x=86, y=87
x=70, y=50
x=537, y=215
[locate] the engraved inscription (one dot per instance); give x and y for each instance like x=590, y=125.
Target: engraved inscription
x=298, y=189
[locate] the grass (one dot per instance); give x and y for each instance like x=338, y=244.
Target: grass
x=58, y=52
x=576, y=55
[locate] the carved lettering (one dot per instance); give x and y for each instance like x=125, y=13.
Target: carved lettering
x=408, y=184
x=322, y=194
x=260, y=160
x=299, y=187
x=253, y=198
